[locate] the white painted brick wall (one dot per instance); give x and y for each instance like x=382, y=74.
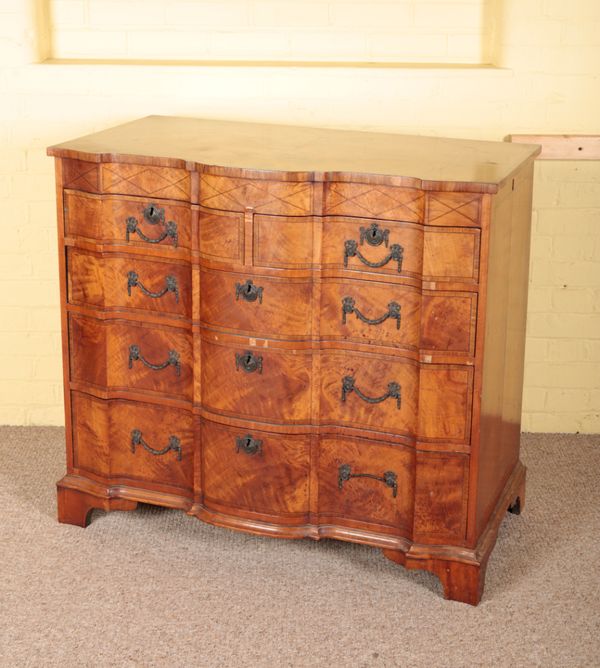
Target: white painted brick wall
x=386, y=30
x=551, y=85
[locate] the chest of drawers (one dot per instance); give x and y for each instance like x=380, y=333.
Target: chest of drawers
x=297, y=332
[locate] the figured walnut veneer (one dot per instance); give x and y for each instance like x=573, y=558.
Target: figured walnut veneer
x=297, y=332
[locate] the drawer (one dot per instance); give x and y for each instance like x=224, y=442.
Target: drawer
x=287, y=198
x=454, y=209
x=286, y=242
x=255, y=471
x=445, y=403
x=448, y=322
x=370, y=312
x=373, y=392
x=145, y=180
x=221, y=236
x=441, y=495
x=133, y=441
x=378, y=247
x=262, y=383
x=136, y=222
x=401, y=249
x=364, y=482
x=256, y=305
x=399, y=316
x=451, y=254
x=374, y=201
x=118, y=281
x=122, y=355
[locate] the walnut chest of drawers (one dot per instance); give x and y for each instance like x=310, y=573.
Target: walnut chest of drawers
x=298, y=332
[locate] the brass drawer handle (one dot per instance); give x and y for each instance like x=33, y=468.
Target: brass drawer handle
x=133, y=281
x=351, y=250
x=172, y=360
x=393, y=392
x=132, y=227
x=249, y=445
x=248, y=362
x=173, y=444
x=348, y=306
x=389, y=478
x=248, y=291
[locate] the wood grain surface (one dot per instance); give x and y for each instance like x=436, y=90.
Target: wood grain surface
x=297, y=332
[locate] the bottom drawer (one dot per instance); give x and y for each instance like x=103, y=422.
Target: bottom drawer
x=131, y=440
x=363, y=482
x=262, y=473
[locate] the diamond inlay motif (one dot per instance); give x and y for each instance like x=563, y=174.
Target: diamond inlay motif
x=80, y=175
x=458, y=209
x=275, y=197
x=128, y=179
x=387, y=202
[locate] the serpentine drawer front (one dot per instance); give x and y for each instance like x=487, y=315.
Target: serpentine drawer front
x=296, y=343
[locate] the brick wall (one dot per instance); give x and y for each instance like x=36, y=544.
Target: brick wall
x=562, y=374
x=550, y=53
x=384, y=30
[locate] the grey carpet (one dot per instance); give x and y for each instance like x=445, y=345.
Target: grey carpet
x=157, y=588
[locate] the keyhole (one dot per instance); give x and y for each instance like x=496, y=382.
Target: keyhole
x=248, y=289
x=248, y=360
x=373, y=234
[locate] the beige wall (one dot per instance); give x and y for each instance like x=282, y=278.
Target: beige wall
x=547, y=81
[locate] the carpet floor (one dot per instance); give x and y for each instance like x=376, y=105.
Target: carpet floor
x=155, y=587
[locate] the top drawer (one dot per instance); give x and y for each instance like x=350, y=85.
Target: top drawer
x=133, y=222
x=127, y=179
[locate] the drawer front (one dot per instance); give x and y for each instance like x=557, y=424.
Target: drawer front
x=137, y=222
x=378, y=247
x=125, y=355
x=286, y=242
x=374, y=201
x=121, y=282
x=451, y=254
x=445, y=403
x=366, y=482
x=256, y=383
x=145, y=181
x=361, y=390
x=287, y=198
x=221, y=236
x=134, y=441
x=441, y=494
x=448, y=322
x=256, y=305
x=369, y=312
x=255, y=471
x=454, y=209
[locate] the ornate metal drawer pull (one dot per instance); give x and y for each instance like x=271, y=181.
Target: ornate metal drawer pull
x=172, y=360
x=170, y=231
x=249, y=445
x=170, y=286
x=248, y=291
x=389, y=478
x=154, y=214
x=248, y=362
x=351, y=250
x=374, y=235
x=393, y=392
x=173, y=444
x=348, y=306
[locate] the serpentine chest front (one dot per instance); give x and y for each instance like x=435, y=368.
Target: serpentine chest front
x=297, y=333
